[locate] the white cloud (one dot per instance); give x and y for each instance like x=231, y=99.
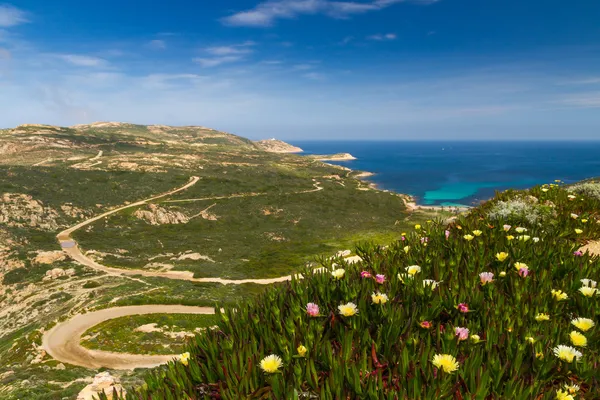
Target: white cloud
x=11, y=16
x=83, y=61
x=267, y=12
x=219, y=55
x=382, y=37
x=157, y=44
x=216, y=61
x=586, y=100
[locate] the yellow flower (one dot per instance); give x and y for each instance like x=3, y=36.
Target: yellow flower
x=584, y=220
x=403, y=234
x=417, y=226
x=502, y=274
x=584, y=324
x=348, y=309
x=530, y=339
x=545, y=189
x=271, y=364
x=566, y=353
x=524, y=238
x=539, y=355
x=563, y=395
x=510, y=237
x=406, y=249
x=542, y=317
x=573, y=388
x=338, y=273
x=578, y=231
x=301, y=350
x=469, y=237
x=413, y=269
x=445, y=362
x=184, y=358
x=379, y=298
x=520, y=265
x=578, y=339
x=559, y=295
x=477, y=232
x=588, y=291
x=520, y=230
x=475, y=338
x=501, y=256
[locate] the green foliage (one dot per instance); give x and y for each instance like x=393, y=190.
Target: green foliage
x=91, y=285
x=383, y=352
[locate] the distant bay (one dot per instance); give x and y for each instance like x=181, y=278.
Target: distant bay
x=451, y=173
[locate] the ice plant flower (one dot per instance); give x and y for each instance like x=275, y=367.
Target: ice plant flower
x=477, y=232
x=413, y=269
x=406, y=249
x=475, y=339
x=542, y=317
x=348, y=309
x=524, y=238
x=545, y=190
x=584, y=220
x=578, y=231
x=338, y=273
x=578, y=339
x=463, y=308
x=574, y=216
x=520, y=229
x=417, y=227
x=271, y=364
x=520, y=265
x=584, y=324
x=535, y=239
x=430, y=283
x=502, y=274
x=445, y=362
x=312, y=309
x=302, y=350
x=566, y=353
x=571, y=197
x=588, y=291
x=501, y=256
x=365, y=274
x=379, y=278
x=588, y=282
x=425, y=324
x=563, y=395
x=469, y=237
x=523, y=272
x=184, y=358
x=573, y=388
x=486, y=277
x=510, y=237
x=461, y=333
x=379, y=298
x=506, y=228
x=447, y=234
x=559, y=295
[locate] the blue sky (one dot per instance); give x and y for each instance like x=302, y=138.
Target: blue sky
x=308, y=69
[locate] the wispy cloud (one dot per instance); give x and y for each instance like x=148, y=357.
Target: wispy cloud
x=83, y=61
x=156, y=44
x=584, y=100
x=11, y=16
x=268, y=12
x=383, y=37
x=218, y=55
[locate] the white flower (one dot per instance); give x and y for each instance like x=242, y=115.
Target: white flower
x=588, y=282
x=430, y=283
x=413, y=269
x=520, y=230
x=338, y=273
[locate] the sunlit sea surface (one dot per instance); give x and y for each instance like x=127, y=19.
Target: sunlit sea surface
x=451, y=173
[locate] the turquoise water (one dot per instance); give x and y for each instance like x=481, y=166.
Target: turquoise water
x=463, y=173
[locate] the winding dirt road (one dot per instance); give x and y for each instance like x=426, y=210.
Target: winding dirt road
x=63, y=341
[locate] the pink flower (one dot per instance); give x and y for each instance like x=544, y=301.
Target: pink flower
x=424, y=239
x=365, y=274
x=312, y=309
x=486, y=277
x=461, y=333
x=403, y=238
x=447, y=233
x=425, y=324
x=380, y=278
x=463, y=308
x=507, y=227
x=578, y=253
x=523, y=272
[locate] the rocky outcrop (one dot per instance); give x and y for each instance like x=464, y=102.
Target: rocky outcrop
x=56, y=273
x=277, y=146
x=21, y=210
x=49, y=257
x=105, y=383
x=159, y=216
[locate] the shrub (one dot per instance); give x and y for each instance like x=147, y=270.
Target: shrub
x=591, y=189
x=91, y=284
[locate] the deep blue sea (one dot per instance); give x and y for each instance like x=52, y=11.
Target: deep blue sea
x=450, y=173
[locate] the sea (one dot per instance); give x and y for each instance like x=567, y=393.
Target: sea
x=463, y=173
